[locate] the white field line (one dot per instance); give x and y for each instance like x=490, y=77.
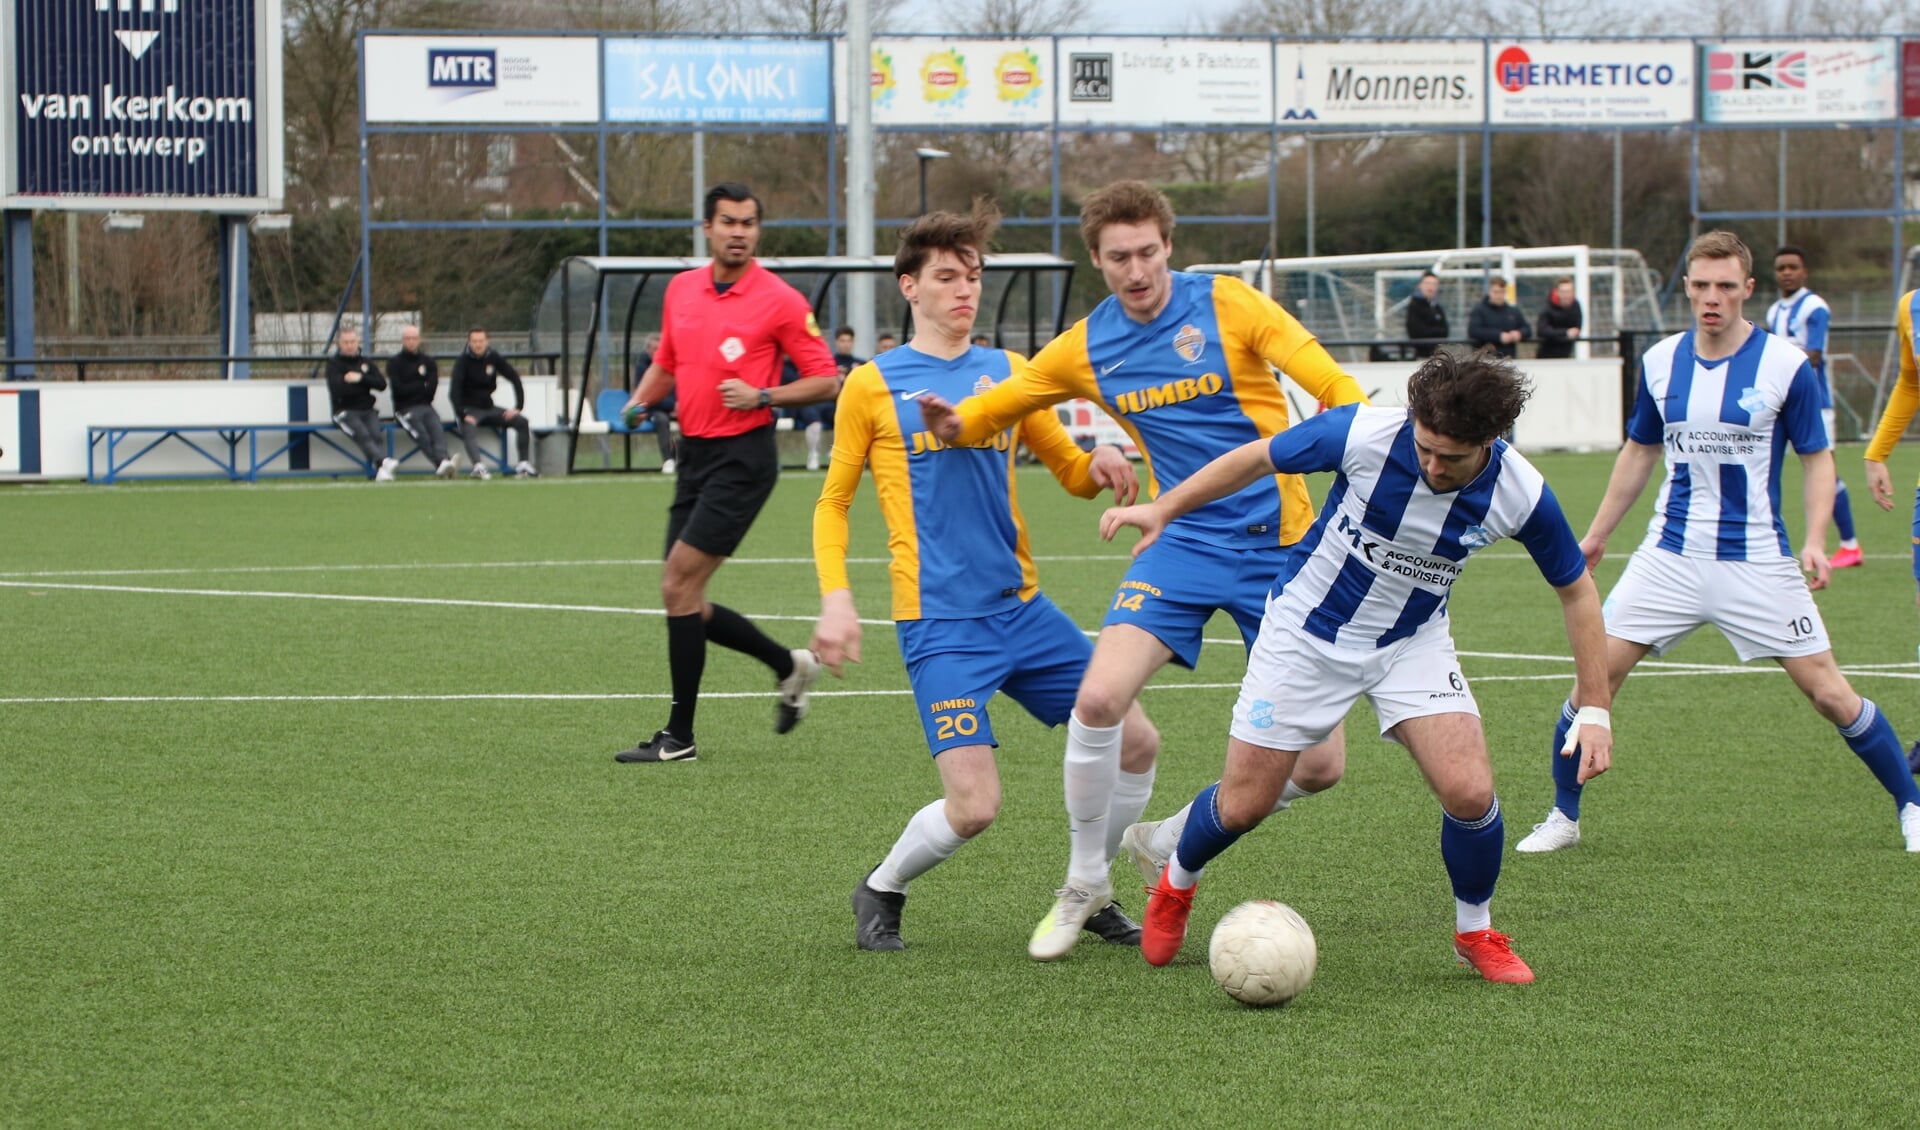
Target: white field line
x=621, y=696
x=620, y=562
x=608, y=609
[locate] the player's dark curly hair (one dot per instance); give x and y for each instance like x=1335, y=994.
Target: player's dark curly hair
x=1473, y=398
x=967, y=236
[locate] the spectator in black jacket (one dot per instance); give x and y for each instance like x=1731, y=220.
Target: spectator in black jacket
x=351, y=382
x=1495, y=323
x=475, y=372
x=414, y=378
x=1560, y=322
x=1426, y=320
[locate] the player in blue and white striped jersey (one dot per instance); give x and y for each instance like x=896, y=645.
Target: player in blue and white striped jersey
x=1724, y=401
x=1360, y=608
x=1802, y=317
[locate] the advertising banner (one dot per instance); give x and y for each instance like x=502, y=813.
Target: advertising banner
x=1910, y=82
x=1591, y=82
x=168, y=103
x=958, y=82
x=719, y=80
x=1439, y=82
x=1793, y=83
x=1152, y=82
x=481, y=78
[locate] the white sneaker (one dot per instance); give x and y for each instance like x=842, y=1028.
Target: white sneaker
x=387, y=467
x=667, y=467
x=1556, y=832
x=793, y=691
x=480, y=472
x=525, y=470
x=1910, y=826
x=1137, y=842
x=813, y=461
x=1054, y=938
x=446, y=469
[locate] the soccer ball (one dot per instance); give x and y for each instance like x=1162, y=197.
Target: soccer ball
x=1262, y=953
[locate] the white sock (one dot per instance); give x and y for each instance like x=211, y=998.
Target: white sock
x=927, y=840
x=1178, y=876
x=1130, y=796
x=1849, y=543
x=1090, y=773
x=1469, y=916
x=1166, y=837
x=813, y=439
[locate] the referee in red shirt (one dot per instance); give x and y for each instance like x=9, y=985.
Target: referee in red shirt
x=723, y=329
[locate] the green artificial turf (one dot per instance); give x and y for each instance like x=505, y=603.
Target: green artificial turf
x=371, y=862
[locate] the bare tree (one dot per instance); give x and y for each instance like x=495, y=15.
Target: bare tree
x=1341, y=17
x=1023, y=17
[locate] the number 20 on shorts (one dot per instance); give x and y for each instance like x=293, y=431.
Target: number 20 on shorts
x=965, y=725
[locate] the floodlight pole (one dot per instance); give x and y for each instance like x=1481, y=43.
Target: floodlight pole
x=859, y=80
x=927, y=156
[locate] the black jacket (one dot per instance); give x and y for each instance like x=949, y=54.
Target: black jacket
x=1425, y=320
x=1488, y=322
x=471, y=386
x=358, y=396
x=414, y=378
x=1554, y=323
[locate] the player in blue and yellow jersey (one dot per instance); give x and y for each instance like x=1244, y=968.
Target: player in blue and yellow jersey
x=966, y=599
x=1184, y=363
x=1901, y=404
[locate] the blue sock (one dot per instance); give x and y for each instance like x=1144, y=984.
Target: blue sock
x=1472, y=851
x=1842, y=511
x=1871, y=737
x=1566, y=770
x=1203, y=837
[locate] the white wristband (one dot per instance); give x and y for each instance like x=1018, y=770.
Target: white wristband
x=1593, y=716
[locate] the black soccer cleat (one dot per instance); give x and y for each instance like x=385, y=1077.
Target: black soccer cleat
x=1913, y=759
x=661, y=747
x=1111, y=924
x=793, y=691
x=876, y=918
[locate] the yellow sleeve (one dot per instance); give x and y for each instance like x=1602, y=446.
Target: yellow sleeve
x=1047, y=438
x=1046, y=380
x=1905, y=397
x=852, y=436
x=1284, y=343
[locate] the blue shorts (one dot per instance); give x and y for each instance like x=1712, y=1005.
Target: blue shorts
x=1916, y=535
x=1176, y=586
x=1034, y=653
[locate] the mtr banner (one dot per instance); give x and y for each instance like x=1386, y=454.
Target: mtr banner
x=472, y=79
x=141, y=104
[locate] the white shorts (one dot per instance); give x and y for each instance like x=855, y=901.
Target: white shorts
x=1762, y=607
x=1298, y=689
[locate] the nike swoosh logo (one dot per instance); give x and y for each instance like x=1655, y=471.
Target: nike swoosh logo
x=915, y=394
x=1106, y=369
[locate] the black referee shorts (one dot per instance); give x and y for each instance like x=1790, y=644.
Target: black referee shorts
x=722, y=485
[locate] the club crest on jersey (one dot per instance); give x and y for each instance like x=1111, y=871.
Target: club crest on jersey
x=984, y=384
x=1752, y=400
x=1476, y=537
x=732, y=350
x=1190, y=343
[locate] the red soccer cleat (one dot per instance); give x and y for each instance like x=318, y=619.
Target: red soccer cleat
x=1490, y=953
x=1164, y=926
x=1846, y=557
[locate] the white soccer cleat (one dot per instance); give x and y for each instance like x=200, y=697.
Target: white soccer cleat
x=446, y=469
x=668, y=467
x=813, y=461
x=387, y=468
x=1552, y=834
x=525, y=470
x=1137, y=843
x=480, y=472
x=793, y=690
x=1910, y=826
x=1054, y=938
